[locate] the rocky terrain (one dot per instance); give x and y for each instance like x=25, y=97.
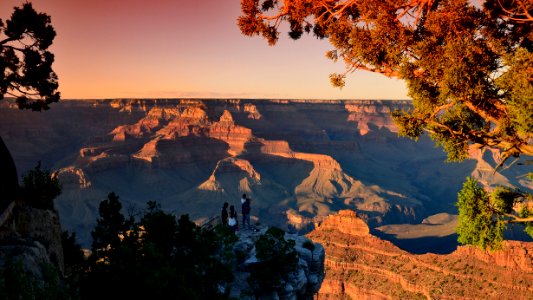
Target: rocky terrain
x=362, y=266
x=31, y=237
x=299, y=160
x=303, y=283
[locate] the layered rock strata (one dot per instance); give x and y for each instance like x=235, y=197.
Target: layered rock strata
x=362, y=266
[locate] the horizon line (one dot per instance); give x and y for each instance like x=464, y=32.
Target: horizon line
x=230, y=98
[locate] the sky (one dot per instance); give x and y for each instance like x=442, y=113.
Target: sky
x=187, y=49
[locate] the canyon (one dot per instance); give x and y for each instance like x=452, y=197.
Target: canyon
x=359, y=265
x=299, y=161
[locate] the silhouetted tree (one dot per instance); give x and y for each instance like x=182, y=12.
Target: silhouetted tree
x=160, y=228
x=40, y=188
x=72, y=253
x=26, y=74
x=109, y=226
x=158, y=257
x=25, y=61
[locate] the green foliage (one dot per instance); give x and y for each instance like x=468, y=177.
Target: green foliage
x=159, y=256
x=40, y=188
x=503, y=199
x=526, y=212
x=516, y=84
x=25, y=62
x=479, y=224
x=456, y=119
x=277, y=258
x=483, y=217
x=410, y=127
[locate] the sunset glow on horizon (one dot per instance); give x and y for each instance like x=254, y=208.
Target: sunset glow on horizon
x=187, y=49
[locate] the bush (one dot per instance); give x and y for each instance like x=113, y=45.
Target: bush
x=40, y=188
x=277, y=258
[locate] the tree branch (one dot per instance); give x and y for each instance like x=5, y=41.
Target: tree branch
x=517, y=219
x=522, y=11
x=482, y=113
x=6, y=40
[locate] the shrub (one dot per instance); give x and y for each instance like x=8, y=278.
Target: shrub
x=277, y=258
x=40, y=188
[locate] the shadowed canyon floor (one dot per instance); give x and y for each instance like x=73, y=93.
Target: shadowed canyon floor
x=299, y=161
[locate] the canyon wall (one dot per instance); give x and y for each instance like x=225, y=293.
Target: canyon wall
x=362, y=266
x=299, y=160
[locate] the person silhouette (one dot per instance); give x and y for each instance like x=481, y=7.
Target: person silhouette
x=232, y=221
x=245, y=209
x=224, y=214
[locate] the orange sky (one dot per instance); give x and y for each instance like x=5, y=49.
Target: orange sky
x=178, y=48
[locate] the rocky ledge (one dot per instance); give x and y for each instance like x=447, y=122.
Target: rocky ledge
x=303, y=283
x=31, y=237
x=362, y=266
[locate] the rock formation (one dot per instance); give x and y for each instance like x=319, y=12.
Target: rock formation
x=32, y=237
x=303, y=283
x=362, y=266
x=300, y=160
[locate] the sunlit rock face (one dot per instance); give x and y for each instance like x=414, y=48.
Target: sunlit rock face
x=362, y=266
x=299, y=160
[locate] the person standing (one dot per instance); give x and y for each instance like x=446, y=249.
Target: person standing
x=232, y=221
x=245, y=208
x=224, y=214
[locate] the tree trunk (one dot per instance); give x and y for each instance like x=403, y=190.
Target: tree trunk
x=9, y=185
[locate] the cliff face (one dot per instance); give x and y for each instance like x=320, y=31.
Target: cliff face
x=361, y=266
x=33, y=237
x=299, y=160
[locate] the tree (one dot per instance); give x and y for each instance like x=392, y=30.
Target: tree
x=109, y=226
x=468, y=69
x=25, y=62
x=41, y=188
x=26, y=74
x=160, y=228
x=158, y=257
x=483, y=217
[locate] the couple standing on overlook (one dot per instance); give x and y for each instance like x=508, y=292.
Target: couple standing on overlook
x=231, y=218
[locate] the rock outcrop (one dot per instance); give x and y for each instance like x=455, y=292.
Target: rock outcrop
x=362, y=266
x=303, y=283
x=32, y=237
